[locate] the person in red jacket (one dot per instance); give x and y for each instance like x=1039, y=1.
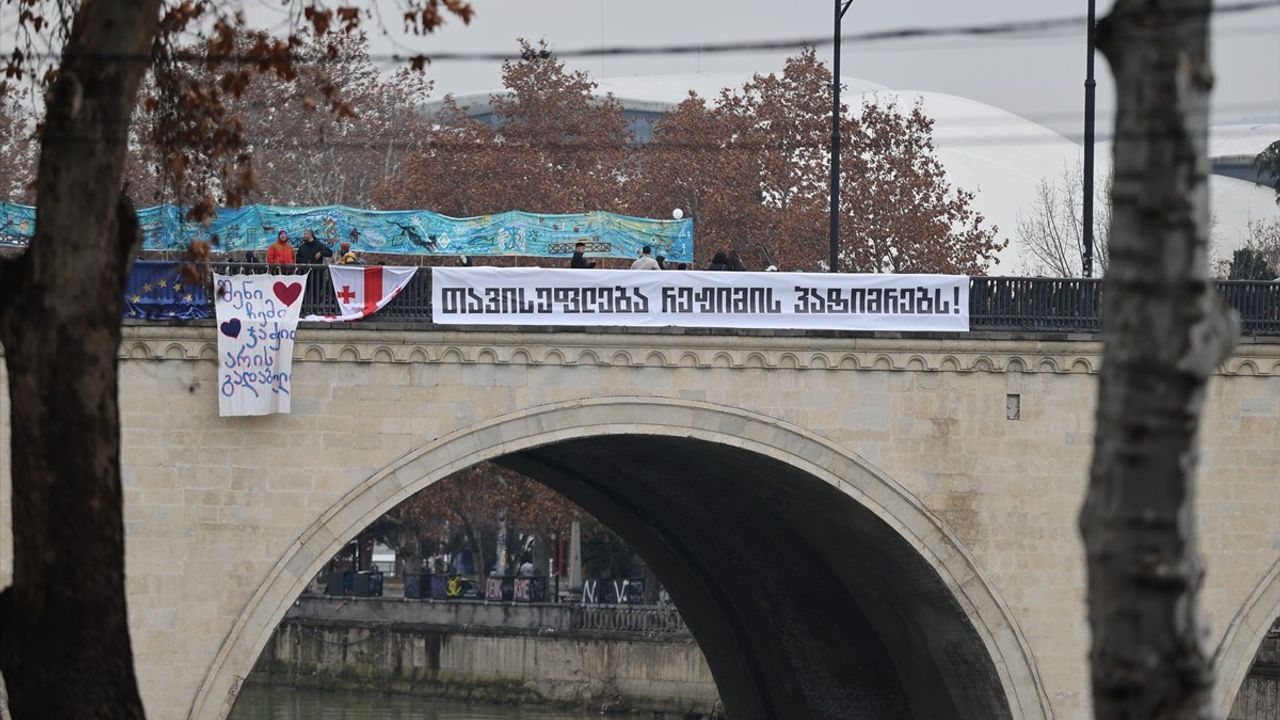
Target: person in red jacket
x=280, y=252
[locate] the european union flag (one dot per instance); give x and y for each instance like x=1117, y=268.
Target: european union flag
x=157, y=291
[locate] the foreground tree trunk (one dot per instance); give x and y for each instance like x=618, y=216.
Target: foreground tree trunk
x=1164, y=334
x=64, y=636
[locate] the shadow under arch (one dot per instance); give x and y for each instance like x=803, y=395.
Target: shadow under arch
x=894, y=619
x=1244, y=636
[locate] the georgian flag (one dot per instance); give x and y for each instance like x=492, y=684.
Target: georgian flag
x=363, y=290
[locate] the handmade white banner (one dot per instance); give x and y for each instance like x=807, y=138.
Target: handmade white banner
x=363, y=290
x=257, y=317
x=802, y=301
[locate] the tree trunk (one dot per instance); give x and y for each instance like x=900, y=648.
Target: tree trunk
x=500, y=543
x=64, y=635
x=575, y=555
x=406, y=543
x=1164, y=334
x=477, y=550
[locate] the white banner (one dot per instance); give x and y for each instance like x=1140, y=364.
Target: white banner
x=792, y=301
x=257, y=318
x=363, y=290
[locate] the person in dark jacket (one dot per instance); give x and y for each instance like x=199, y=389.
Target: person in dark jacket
x=312, y=251
x=579, y=259
x=719, y=262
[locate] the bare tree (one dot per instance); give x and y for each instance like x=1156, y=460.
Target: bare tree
x=1263, y=237
x=1050, y=233
x=1164, y=334
x=1258, y=255
x=319, y=158
x=17, y=149
x=303, y=157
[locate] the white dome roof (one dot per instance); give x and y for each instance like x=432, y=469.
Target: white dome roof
x=998, y=156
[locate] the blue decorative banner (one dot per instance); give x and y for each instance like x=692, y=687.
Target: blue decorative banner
x=157, y=291
x=399, y=232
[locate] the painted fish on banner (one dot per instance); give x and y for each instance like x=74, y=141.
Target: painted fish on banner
x=257, y=318
x=768, y=300
x=399, y=232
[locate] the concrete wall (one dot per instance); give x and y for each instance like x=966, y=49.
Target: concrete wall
x=477, y=651
x=227, y=518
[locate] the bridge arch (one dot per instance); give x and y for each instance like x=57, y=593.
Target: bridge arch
x=930, y=637
x=1244, y=636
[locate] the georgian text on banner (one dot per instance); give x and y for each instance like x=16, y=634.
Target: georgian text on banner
x=800, y=301
x=257, y=318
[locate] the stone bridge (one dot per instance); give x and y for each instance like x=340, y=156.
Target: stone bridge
x=852, y=526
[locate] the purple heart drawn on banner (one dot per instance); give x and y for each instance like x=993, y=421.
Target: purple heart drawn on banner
x=231, y=328
x=287, y=293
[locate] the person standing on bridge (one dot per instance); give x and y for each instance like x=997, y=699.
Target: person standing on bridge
x=312, y=251
x=280, y=253
x=579, y=259
x=347, y=256
x=645, y=261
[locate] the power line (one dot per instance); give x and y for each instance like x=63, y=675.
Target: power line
x=1056, y=38
x=944, y=141
x=1019, y=27
x=1000, y=29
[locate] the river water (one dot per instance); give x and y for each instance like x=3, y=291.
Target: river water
x=260, y=702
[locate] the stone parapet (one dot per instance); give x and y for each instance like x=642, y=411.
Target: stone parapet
x=985, y=352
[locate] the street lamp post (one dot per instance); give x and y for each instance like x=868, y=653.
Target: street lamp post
x=841, y=8
x=1087, y=260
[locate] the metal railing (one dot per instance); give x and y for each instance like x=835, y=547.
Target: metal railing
x=614, y=618
x=1009, y=304
x=413, y=304
x=1045, y=304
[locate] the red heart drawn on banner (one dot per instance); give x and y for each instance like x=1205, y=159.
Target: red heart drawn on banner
x=287, y=292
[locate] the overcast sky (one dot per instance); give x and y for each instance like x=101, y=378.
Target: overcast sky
x=1040, y=78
